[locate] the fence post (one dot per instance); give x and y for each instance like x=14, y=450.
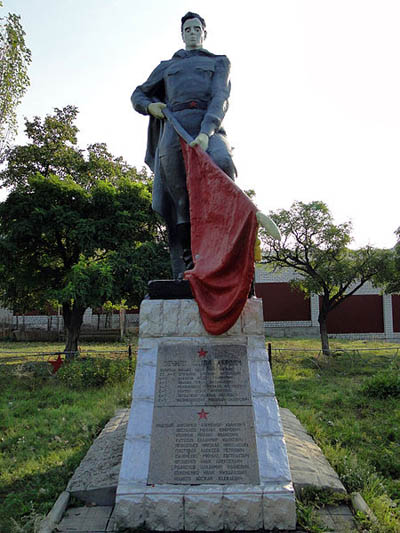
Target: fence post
x=130, y=357
x=270, y=355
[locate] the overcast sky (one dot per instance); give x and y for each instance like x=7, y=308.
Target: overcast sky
x=315, y=104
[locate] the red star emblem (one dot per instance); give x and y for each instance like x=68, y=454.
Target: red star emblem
x=202, y=414
x=202, y=353
x=193, y=104
x=56, y=364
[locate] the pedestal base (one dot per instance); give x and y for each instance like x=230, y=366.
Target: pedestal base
x=267, y=504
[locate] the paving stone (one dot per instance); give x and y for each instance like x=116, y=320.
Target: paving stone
x=337, y=518
x=85, y=520
x=339, y=510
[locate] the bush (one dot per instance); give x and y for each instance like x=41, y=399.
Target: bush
x=93, y=372
x=383, y=385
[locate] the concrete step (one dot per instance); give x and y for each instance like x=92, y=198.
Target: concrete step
x=87, y=520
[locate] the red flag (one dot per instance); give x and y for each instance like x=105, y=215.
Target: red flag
x=223, y=232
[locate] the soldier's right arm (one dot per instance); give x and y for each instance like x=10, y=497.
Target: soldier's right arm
x=151, y=91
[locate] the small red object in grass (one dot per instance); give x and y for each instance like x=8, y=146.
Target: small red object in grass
x=56, y=364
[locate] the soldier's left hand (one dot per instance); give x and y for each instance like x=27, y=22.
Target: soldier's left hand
x=201, y=140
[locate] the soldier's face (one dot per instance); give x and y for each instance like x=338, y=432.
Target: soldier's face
x=193, y=34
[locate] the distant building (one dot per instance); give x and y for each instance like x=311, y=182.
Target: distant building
x=287, y=313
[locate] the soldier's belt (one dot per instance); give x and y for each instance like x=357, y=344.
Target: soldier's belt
x=193, y=104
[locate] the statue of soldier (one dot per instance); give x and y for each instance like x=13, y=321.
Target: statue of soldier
x=194, y=84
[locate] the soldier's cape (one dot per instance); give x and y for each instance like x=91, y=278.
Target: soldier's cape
x=223, y=231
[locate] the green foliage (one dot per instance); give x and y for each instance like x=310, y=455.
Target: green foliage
x=53, y=149
x=308, y=501
x=317, y=249
x=77, y=227
x=354, y=473
x=14, y=60
x=63, y=242
x=321, y=497
x=307, y=518
x=93, y=372
x=385, y=384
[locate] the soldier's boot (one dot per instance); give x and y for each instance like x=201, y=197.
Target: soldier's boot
x=183, y=232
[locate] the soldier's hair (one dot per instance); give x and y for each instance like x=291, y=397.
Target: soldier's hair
x=190, y=15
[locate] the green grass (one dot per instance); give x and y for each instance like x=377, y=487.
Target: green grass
x=357, y=426
x=45, y=430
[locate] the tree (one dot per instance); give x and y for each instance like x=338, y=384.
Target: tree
x=389, y=277
x=316, y=248
x=53, y=150
x=14, y=81
x=77, y=226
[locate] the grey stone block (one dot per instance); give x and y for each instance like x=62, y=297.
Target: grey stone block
x=203, y=510
x=96, y=478
x=129, y=511
x=137, y=471
x=141, y=418
x=164, y=512
x=189, y=323
x=266, y=416
x=272, y=459
x=252, y=317
x=144, y=382
x=170, y=317
x=308, y=465
x=243, y=510
x=279, y=511
x=151, y=314
x=261, y=383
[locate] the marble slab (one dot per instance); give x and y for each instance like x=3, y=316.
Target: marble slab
x=203, y=421
x=202, y=374
x=193, y=445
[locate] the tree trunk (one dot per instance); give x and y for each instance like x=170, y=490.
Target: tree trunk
x=323, y=330
x=73, y=318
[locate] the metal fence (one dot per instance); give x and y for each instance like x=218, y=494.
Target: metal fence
x=56, y=358
x=378, y=356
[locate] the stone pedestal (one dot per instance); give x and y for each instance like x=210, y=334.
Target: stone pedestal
x=256, y=492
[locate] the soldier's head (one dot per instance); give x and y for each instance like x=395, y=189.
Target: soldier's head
x=193, y=29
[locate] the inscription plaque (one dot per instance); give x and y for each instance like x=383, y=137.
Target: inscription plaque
x=203, y=424
x=190, y=374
